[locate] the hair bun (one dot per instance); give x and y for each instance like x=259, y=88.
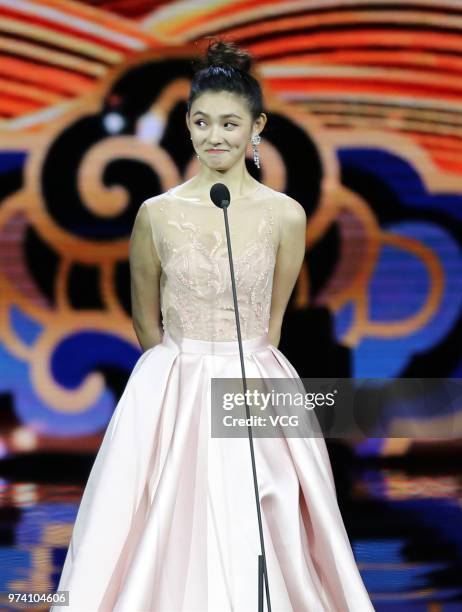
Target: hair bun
x=226, y=53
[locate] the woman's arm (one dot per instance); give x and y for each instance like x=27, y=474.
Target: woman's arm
x=145, y=271
x=290, y=255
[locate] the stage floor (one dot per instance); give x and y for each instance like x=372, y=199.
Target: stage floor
x=403, y=517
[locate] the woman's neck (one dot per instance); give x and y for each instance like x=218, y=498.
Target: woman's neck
x=238, y=187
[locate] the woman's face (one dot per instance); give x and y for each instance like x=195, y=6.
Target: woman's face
x=221, y=128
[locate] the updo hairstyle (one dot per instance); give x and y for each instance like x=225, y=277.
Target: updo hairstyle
x=226, y=67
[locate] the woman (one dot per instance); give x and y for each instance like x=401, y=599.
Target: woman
x=168, y=518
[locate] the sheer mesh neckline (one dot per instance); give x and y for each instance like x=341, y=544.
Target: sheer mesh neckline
x=195, y=286
x=200, y=202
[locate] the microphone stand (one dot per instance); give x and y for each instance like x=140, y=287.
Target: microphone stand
x=262, y=569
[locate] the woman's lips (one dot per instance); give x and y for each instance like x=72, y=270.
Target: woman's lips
x=216, y=150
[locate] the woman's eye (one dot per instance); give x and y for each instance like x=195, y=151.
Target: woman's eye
x=227, y=123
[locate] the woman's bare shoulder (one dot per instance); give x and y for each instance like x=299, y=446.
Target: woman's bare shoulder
x=156, y=200
x=290, y=209
x=155, y=207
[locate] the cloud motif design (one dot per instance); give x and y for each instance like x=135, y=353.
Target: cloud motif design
x=401, y=281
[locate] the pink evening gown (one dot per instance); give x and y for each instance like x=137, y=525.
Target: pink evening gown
x=168, y=521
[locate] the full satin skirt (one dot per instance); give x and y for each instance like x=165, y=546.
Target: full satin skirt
x=168, y=518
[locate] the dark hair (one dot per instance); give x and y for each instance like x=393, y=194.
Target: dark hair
x=226, y=67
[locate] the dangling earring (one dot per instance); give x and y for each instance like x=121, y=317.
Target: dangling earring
x=256, y=140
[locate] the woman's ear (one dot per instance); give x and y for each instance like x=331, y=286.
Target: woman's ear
x=187, y=121
x=261, y=121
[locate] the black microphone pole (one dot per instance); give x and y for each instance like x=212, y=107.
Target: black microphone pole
x=220, y=196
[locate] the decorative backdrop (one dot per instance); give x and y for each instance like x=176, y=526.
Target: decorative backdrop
x=364, y=104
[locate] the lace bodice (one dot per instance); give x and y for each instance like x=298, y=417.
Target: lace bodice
x=195, y=285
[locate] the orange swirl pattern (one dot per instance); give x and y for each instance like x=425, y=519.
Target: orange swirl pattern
x=338, y=77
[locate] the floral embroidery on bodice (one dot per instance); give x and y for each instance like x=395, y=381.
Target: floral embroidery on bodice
x=195, y=285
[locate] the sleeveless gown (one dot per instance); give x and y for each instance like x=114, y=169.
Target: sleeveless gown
x=168, y=519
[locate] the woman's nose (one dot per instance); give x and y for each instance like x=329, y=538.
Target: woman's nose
x=215, y=134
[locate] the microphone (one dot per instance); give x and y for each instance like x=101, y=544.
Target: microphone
x=220, y=196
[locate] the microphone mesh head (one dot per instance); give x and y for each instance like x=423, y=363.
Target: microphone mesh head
x=220, y=196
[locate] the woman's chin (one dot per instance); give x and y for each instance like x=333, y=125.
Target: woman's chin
x=217, y=165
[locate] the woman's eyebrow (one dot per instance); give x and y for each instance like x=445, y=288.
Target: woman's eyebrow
x=222, y=116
